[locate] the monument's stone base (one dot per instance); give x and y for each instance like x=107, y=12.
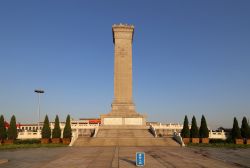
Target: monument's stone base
x=132, y=119
x=123, y=121
x=123, y=114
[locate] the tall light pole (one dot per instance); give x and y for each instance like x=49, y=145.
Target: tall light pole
x=38, y=91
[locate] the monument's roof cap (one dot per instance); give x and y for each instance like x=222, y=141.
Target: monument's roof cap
x=123, y=28
x=123, y=25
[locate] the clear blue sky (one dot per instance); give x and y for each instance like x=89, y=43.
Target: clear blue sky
x=189, y=58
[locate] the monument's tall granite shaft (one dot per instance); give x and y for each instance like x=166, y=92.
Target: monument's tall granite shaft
x=122, y=38
x=123, y=109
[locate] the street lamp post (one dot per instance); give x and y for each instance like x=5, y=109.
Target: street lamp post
x=38, y=91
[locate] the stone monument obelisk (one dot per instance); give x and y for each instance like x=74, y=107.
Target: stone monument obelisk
x=123, y=108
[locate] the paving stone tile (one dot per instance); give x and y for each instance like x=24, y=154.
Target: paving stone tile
x=124, y=157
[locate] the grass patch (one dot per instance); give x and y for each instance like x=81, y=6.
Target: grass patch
x=20, y=146
x=218, y=145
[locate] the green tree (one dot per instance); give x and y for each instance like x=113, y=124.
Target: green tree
x=245, y=130
x=67, y=132
x=204, y=132
x=194, y=132
x=12, y=131
x=3, y=132
x=235, y=132
x=56, y=133
x=46, y=131
x=185, y=132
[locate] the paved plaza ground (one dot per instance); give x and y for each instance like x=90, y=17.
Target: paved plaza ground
x=124, y=157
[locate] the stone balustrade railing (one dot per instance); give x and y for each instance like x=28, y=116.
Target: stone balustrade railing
x=218, y=135
x=74, y=138
x=96, y=131
x=167, y=126
x=178, y=138
x=152, y=129
x=29, y=135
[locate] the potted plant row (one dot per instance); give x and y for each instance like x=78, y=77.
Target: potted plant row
x=46, y=131
x=245, y=131
x=241, y=136
x=185, y=132
x=236, y=134
x=67, y=132
x=194, y=134
x=8, y=136
x=204, y=132
x=56, y=132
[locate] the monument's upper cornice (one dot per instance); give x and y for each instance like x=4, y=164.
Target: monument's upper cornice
x=123, y=25
x=123, y=31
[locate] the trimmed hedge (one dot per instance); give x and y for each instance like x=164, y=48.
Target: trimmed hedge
x=235, y=133
x=204, y=132
x=67, y=132
x=218, y=141
x=46, y=131
x=27, y=141
x=12, y=131
x=245, y=130
x=185, y=132
x=3, y=131
x=194, y=132
x=56, y=133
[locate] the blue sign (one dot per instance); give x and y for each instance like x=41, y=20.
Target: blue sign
x=140, y=158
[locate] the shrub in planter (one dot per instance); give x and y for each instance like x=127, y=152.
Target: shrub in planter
x=205, y=140
x=195, y=140
x=56, y=133
x=3, y=132
x=66, y=141
x=204, y=132
x=8, y=141
x=185, y=132
x=245, y=130
x=248, y=137
x=235, y=132
x=12, y=131
x=186, y=140
x=45, y=140
x=194, y=132
x=67, y=132
x=239, y=141
x=56, y=140
x=46, y=131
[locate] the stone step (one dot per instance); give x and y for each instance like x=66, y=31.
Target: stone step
x=124, y=133
x=87, y=141
x=123, y=127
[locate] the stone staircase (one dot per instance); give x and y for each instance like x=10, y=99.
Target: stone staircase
x=83, y=141
x=124, y=136
x=124, y=133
